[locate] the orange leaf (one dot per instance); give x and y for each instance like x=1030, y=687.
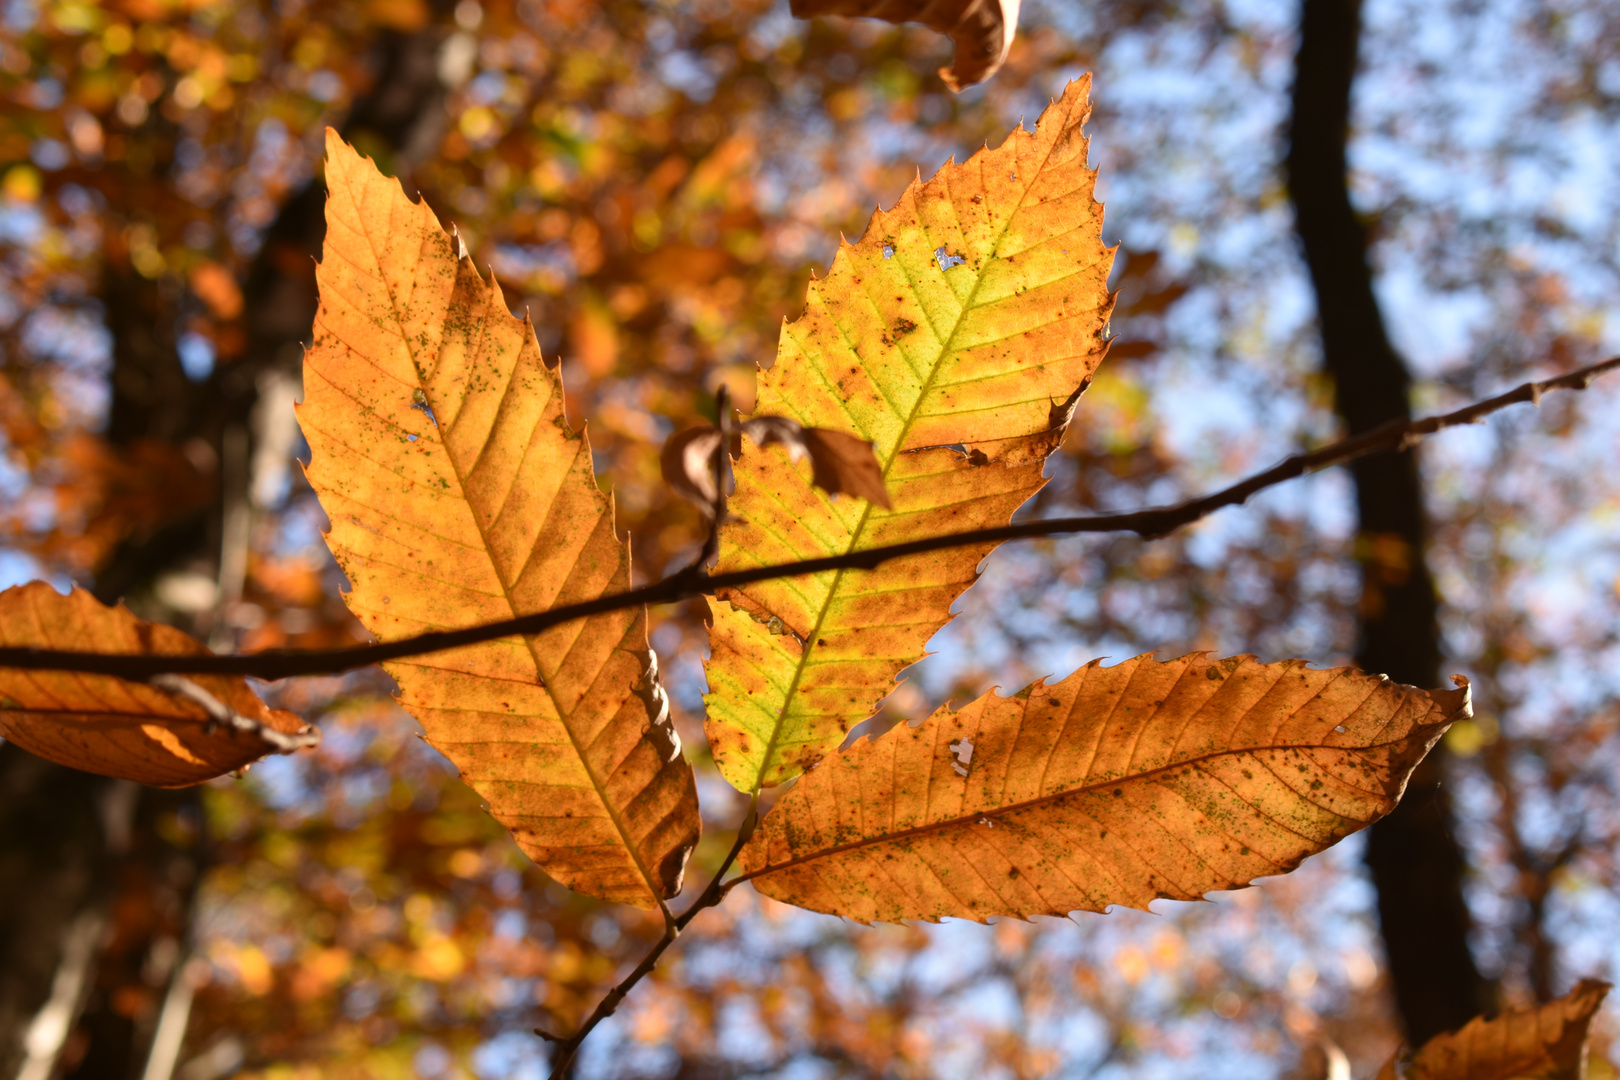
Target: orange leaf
x=115, y=727
x=459, y=494
x=216, y=286
x=1545, y=1043
x=1118, y=785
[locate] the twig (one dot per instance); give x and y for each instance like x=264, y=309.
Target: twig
x=1150, y=524
x=220, y=713
x=711, y=896
x=696, y=573
x=722, y=474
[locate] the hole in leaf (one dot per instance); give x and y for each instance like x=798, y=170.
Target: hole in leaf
x=419, y=401
x=946, y=259
x=962, y=750
x=888, y=252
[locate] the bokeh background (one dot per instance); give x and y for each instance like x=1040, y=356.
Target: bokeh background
x=653, y=183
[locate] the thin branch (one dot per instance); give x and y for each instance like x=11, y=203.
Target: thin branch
x=722, y=476
x=1150, y=524
x=696, y=572
x=221, y=714
x=711, y=896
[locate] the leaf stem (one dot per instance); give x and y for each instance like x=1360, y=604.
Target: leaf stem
x=722, y=462
x=712, y=895
x=1150, y=523
x=696, y=573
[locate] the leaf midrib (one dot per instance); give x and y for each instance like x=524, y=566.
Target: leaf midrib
x=1042, y=800
x=946, y=350
x=597, y=783
x=110, y=717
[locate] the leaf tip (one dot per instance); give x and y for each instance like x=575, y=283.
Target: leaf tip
x=1456, y=704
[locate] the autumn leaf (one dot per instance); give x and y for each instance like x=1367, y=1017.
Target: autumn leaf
x=955, y=336
x=208, y=726
x=459, y=494
x=1540, y=1043
x=689, y=463
x=1118, y=785
x=839, y=463
x=982, y=29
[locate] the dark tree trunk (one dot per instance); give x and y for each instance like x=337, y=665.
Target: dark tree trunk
x=63, y=832
x=1415, y=859
x=101, y=874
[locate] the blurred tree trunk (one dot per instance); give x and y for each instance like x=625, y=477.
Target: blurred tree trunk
x=1413, y=855
x=105, y=872
x=106, y=868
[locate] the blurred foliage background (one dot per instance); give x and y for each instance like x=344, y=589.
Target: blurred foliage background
x=653, y=182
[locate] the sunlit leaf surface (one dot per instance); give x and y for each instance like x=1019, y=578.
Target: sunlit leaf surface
x=115, y=727
x=459, y=494
x=1118, y=785
x=956, y=336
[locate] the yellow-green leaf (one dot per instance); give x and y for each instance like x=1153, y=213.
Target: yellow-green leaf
x=1540, y=1043
x=115, y=727
x=459, y=494
x=1118, y=785
x=956, y=336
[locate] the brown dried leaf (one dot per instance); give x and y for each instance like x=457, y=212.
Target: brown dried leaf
x=1545, y=1043
x=839, y=463
x=115, y=727
x=688, y=464
x=982, y=29
x=1118, y=785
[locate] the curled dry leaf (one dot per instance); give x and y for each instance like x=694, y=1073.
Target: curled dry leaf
x=689, y=463
x=982, y=29
x=1118, y=785
x=1540, y=1043
x=206, y=727
x=840, y=464
x=459, y=494
x=956, y=336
